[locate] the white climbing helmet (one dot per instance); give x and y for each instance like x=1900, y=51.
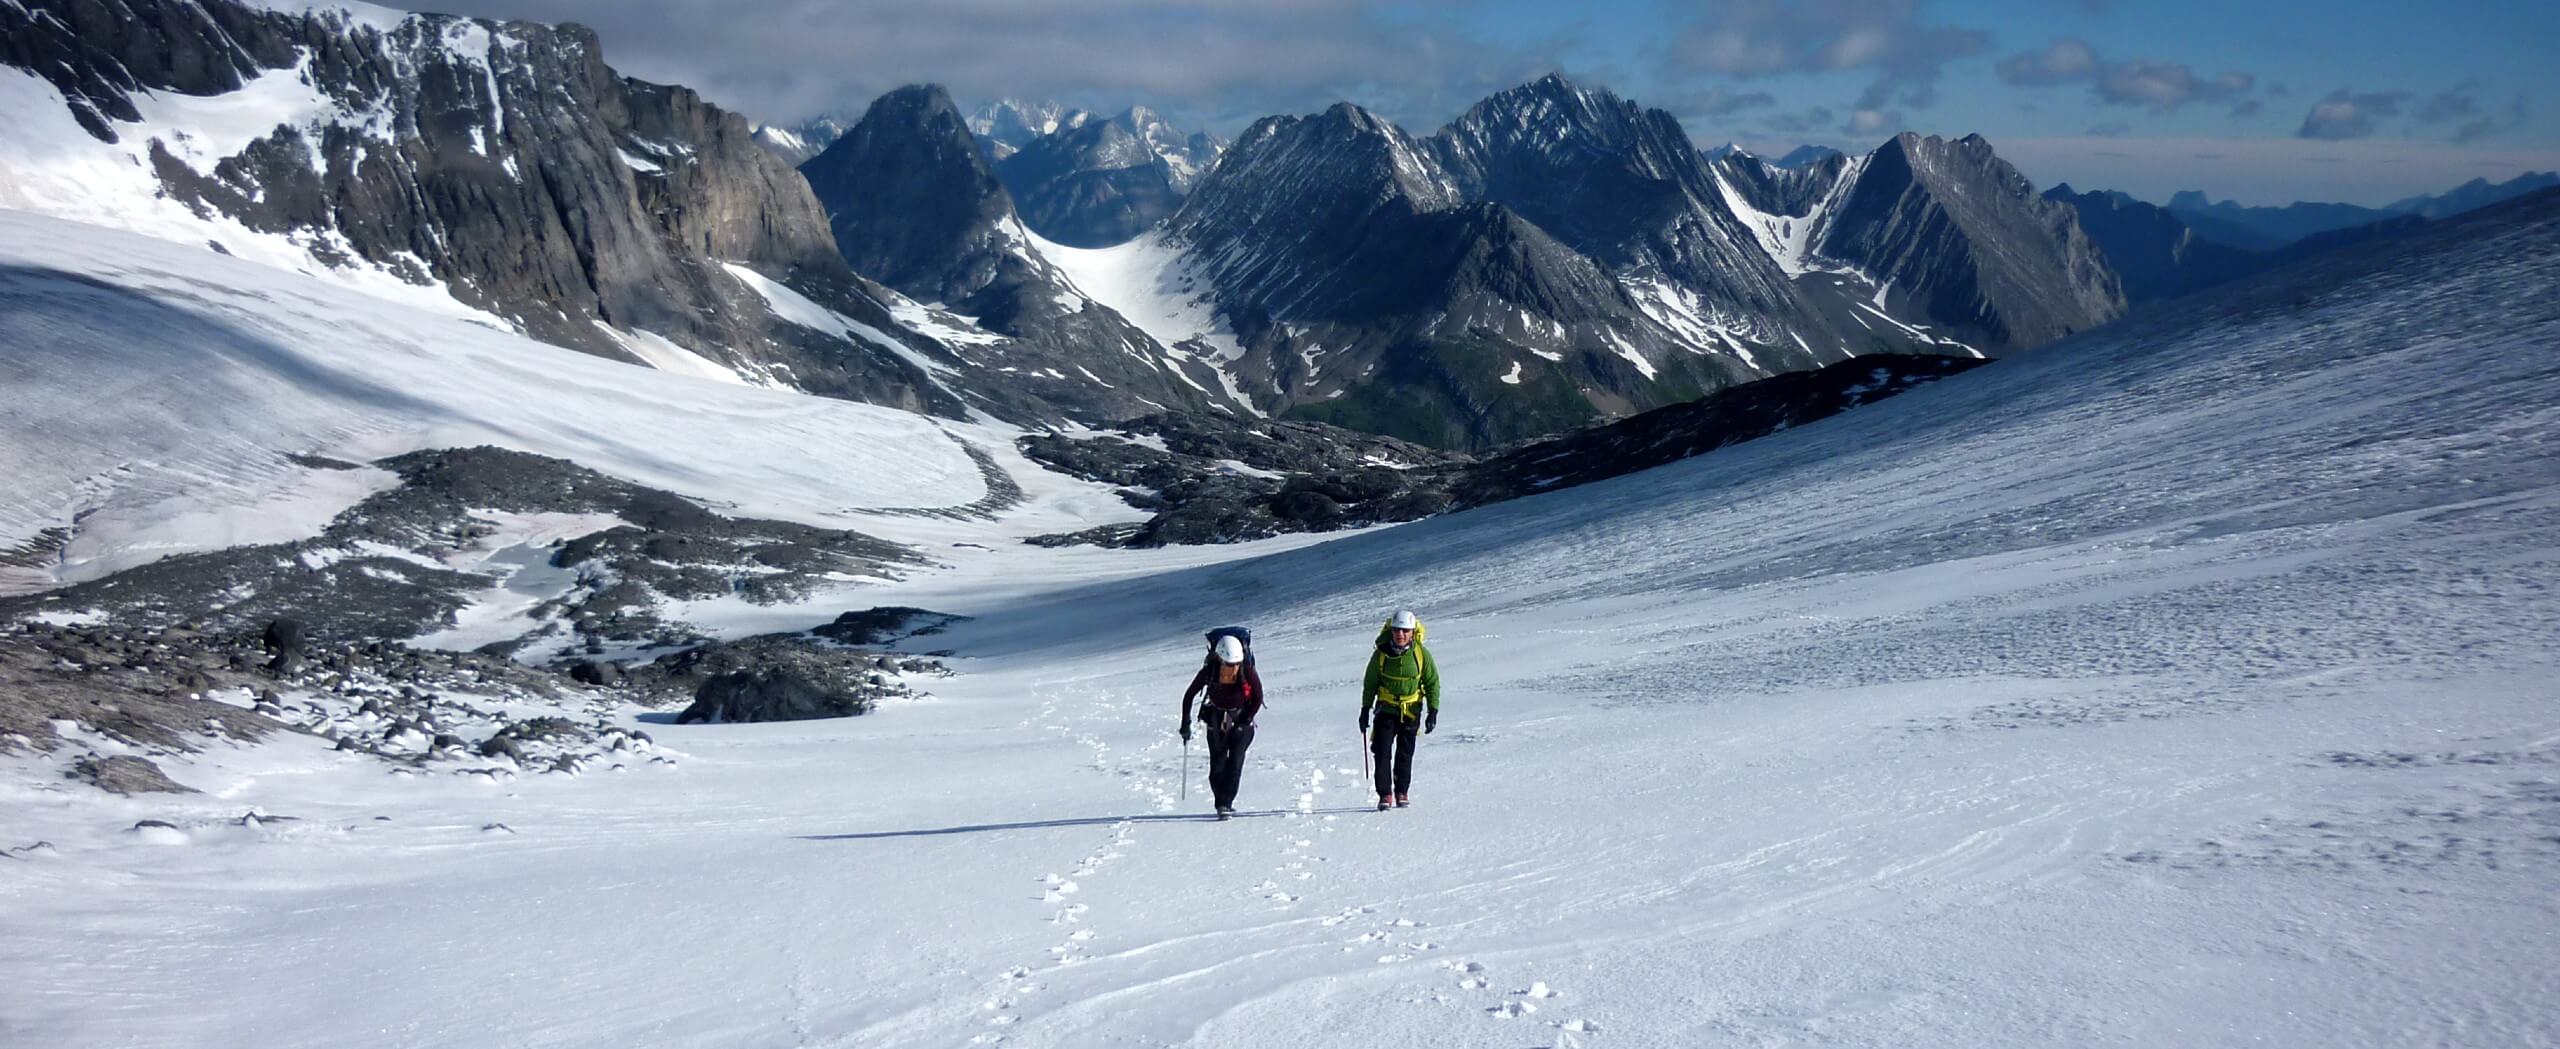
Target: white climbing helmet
x=1230, y=650
x=1402, y=620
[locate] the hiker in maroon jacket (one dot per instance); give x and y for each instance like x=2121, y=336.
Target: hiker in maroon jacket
x=1233, y=696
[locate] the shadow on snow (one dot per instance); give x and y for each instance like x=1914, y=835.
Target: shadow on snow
x=1087, y=821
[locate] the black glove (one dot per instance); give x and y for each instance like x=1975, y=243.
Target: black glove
x=1185, y=731
x=1430, y=721
x=1364, y=719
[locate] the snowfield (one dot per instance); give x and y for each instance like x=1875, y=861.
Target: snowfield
x=2188, y=683
x=154, y=392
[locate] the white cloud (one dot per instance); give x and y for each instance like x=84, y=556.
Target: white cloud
x=2347, y=114
x=1884, y=38
x=2160, y=86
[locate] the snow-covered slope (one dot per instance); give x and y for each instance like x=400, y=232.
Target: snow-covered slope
x=154, y=394
x=2186, y=683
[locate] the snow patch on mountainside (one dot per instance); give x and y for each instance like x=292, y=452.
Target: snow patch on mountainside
x=1151, y=283
x=1146, y=281
x=1688, y=315
x=158, y=390
x=949, y=329
x=1792, y=241
x=50, y=165
x=801, y=310
x=660, y=353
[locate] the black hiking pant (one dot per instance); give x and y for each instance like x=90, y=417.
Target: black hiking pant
x=1226, y=761
x=1391, y=753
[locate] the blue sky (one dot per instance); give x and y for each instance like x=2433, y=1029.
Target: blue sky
x=2358, y=100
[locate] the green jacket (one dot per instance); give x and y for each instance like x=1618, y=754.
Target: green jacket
x=1401, y=681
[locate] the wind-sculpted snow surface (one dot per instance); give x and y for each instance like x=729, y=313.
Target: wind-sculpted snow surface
x=2188, y=683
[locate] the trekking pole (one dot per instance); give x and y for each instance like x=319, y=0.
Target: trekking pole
x=1186, y=768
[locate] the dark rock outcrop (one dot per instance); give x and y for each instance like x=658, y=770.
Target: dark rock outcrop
x=883, y=626
x=125, y=774
x=773, y=694
x=1215, y=480
x=779, y=677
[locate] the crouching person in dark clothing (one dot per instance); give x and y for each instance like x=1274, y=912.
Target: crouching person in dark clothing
x=1233, y=695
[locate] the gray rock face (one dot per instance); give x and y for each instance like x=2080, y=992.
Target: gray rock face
x=2154, y=252
x=1370, y=293
x=916, y=206
x=1101, y=182
x=1955, y=230
x=504, y=161
x=913, y=203
x=1618, y=183
x=1556, y=256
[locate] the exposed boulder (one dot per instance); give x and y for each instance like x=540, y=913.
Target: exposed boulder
x=881, y=626
x=125, y=774
x=775, y=694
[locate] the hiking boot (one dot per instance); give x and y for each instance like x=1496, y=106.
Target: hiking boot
x=1386, y=801
x=1404, y=801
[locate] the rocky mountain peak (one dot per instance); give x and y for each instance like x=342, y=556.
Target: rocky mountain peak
x=1963, y=234
x=1282, y=164
x=910, y=195
x=1617, y=182
x=1802, y=156
x=1013, y=123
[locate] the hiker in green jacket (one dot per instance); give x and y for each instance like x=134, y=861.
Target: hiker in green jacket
x=1403, y=687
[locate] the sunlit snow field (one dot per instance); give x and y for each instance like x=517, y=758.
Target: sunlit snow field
x=2187, y=683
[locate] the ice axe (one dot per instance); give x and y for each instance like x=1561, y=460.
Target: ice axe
x=1186, y=766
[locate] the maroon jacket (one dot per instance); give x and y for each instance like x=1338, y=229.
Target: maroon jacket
x=1241, y=700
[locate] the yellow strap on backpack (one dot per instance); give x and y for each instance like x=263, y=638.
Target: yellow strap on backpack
x=1405, y=704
